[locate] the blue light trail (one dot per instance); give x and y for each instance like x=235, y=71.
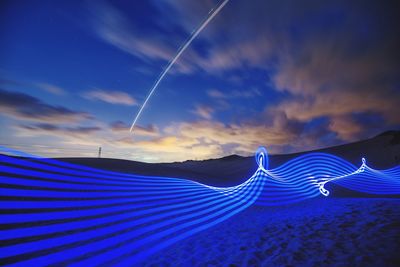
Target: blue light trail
x=58, y=213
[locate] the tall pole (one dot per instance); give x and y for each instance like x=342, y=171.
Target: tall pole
x=100, y=152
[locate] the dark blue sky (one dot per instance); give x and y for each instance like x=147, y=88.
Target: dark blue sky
x=289, y=75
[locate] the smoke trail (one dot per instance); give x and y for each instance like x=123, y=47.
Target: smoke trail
x=213, y=12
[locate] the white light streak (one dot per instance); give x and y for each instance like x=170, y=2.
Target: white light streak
x=213, y=12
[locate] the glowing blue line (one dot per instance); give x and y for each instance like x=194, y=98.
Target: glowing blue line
x=27, y=246
x=322, y=184
x=125, y=213
x=80, y=250
x=120, y=214
x=93, y=176
x=230, y=209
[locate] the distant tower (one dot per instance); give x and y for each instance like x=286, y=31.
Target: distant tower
x=100, y=152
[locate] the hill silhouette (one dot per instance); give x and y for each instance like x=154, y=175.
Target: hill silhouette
x=381, y=151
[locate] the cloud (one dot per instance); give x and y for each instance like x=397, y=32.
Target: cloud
x=234, y=40
x=8, y=82
x=115, y=28
x=53, y=89
x=50, y=88
x=61, y=140
x=249, y=93
x=342, y=48
x=46, y=128
x=264, y=32
x=326, y=77
x=112, y=97
x=176, y=142
x=214, y=93
x=232, y=138
x=149, y=130
x=203, y=111
x=26, y=107
x=172, y=148
x=346, y=127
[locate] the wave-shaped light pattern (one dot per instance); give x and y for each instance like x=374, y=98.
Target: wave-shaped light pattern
x=59, y=213
x=306, y=177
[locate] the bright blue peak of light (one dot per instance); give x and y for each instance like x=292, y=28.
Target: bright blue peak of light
x=262, y=158
x=58, y=213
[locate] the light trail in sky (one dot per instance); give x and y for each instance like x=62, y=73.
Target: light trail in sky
x=211, y=14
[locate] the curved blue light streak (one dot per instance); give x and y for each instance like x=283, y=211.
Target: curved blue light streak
x=59, y=213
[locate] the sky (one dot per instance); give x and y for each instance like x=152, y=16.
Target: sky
x=288, y=75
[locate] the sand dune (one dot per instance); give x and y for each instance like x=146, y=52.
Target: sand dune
x=382, y=151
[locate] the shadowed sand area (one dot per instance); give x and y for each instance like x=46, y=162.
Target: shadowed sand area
x=316, y=232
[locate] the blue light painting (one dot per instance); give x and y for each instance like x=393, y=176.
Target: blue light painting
x=57, y=213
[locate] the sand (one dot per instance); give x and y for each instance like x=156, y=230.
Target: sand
x=316, y=232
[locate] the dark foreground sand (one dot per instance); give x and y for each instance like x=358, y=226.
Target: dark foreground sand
x=318, y=232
